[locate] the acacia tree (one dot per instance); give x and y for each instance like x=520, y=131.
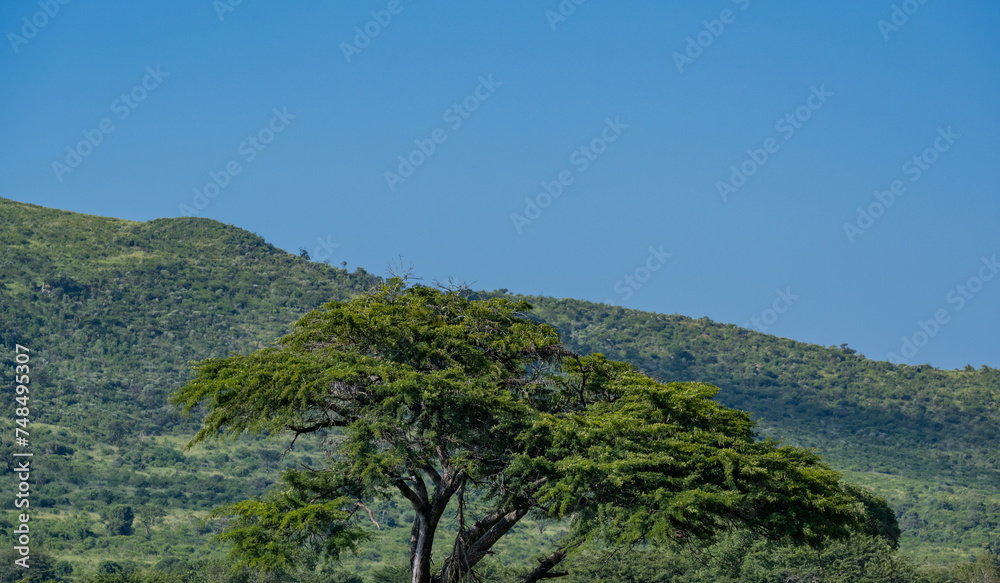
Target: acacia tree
x=433, y=395
x=150, y=515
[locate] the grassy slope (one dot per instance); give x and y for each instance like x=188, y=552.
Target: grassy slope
x=115, y=309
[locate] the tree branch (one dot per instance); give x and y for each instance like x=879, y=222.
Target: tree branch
x=484, y=524
x=485, y=542
x=543, y=570
x=419, y=504
x=370, y=514
x=313, y=428
x=419, y=487
x=433, y=473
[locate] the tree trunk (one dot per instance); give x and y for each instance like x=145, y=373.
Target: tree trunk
x=422, y=541
x=414, y=541
x=427, y=515
x=420, y=560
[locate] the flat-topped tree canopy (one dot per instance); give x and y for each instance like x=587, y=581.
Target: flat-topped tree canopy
x=435, y=394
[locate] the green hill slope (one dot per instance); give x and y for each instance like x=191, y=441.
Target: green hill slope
x=927, y=440
x=114, y=310
x=118, y=308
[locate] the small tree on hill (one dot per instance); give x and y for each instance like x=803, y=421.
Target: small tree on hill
x=118, y=519
x=150, y=515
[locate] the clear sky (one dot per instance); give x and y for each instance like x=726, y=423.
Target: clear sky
x=822, y=171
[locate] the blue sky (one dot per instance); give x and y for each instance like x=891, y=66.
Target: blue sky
x=709, y=158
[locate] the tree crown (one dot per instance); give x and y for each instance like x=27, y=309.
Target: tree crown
x=426, y=393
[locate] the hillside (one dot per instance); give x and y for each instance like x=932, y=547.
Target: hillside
x=927, y=440
x=115, y=310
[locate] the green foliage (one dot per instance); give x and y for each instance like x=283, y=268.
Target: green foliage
x=926, y=440
x=118, y=519
x=741, y=557
x=392, y=574
x=42, y=568
x=276, y=531
x=664, y=462
x=985, y=569
x=411, y=377
x=434, y=392
x=150, y=515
